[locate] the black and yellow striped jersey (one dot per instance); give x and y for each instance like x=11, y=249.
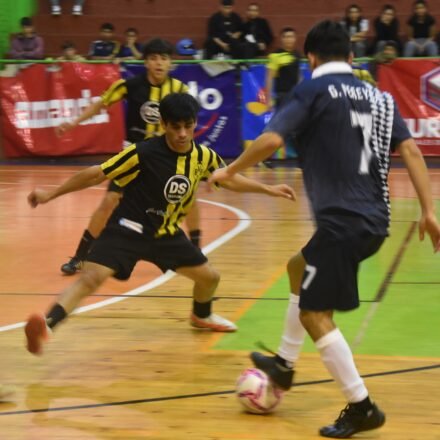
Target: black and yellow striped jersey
x=159, y=184
x=286, y=68
x=143, y=101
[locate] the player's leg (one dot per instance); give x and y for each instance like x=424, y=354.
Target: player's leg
x=38, y=326
x=96, y=225
x=330, y=283
x=280, y=367
x=206, y=280
x=192, y=221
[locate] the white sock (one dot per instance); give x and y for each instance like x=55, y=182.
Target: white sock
x=337, y=357
x=294, y=332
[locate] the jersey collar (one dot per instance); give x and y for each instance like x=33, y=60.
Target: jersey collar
x=331, y=68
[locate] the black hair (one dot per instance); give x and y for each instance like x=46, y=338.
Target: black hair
x=391, y=43
x=388, y=6
x=328, y=40
x=68, y=45
x=132, y=29
x=287, y=29
x=107, y=27
x=158, y=46
x=26, y=21
x=178, y=107
x=227, y=2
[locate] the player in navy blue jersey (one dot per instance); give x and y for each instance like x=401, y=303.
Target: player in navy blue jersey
x=344, y=130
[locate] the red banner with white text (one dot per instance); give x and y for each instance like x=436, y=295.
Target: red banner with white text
x=40, y=97
x=415, y=85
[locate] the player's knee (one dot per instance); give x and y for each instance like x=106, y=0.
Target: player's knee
x=309, y=319
x=210, y=279
x=90, y=281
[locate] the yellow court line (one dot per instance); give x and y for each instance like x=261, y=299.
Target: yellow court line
x=246, y=305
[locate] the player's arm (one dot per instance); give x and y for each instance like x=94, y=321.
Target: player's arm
x=239, y=183
x=89, y=177
x=263, y=147
x=419, y=176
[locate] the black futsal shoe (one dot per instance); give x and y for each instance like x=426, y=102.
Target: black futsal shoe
x=72, y=267
x=280, y=375
x=353, y=420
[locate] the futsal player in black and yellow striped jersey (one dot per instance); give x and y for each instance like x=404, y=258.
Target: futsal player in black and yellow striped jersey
x=283, y=68
x=160, y=177
x=143, y=94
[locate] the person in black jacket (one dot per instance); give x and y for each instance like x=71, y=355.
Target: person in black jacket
x=225, y=29
x=257, y=33
x=386, y=28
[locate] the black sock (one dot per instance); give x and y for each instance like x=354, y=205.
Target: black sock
x=84, y=245
x=364, y=405
x=55, y=316
x=280, y=361
x=202, y=310
x=194, y=236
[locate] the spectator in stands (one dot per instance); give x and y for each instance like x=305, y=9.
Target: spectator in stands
x=282, y=69
x=106, y=48
x=69, y=53
x=257, y=33
x=386, y=28
x=131, y=49
x=357, y=27
x=225, y=30
x=27, y=45
x=421, y=32
x=76, y=10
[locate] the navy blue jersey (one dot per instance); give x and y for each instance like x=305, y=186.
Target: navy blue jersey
x=344, y=130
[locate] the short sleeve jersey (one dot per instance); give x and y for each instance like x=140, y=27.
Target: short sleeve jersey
x=159, y=184
x=143, y=101
x=343, y=130
x=421, y=29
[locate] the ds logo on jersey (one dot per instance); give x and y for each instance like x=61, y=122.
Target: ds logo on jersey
x=176, y=188
x=150, y=112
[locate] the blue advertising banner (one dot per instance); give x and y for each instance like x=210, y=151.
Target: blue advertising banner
x=218, y=124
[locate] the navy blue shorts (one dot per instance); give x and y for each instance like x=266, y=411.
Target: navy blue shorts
x=332, y=262
x=120, y=248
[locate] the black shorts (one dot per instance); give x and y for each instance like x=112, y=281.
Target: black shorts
x=332, y=262
x=120, y=248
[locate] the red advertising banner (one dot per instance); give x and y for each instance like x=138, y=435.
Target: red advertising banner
x=415, y=85
x=40, y=97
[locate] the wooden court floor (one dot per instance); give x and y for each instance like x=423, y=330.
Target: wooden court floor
x=130, y=367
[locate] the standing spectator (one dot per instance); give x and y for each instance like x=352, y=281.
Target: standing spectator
x=386, y=28
x=421, y=32
x=106, y=48
x=225, y=29
x=131, y=49
x=357, y=28
x=69, y=53
x=27, y=45
x=76, y=10
x=257, y=33
x=282, y=69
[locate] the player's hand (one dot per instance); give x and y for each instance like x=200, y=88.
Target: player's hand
x=282, y=190
x=429, y=224
x=63, y=128
x=38, y=196
x=220, y=175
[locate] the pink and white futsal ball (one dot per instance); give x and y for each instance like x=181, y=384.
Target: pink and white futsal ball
x=256, y=393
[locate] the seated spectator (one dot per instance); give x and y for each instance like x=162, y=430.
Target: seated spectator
x=76, y=10
x=282, y=69
x=225, y=29
x=421, y=32
x=257, y=33
x=387, y=55
x=69, y=53
x=27, y=45
x=386, y=28
x=357, y=27
x=106, y=48
x=131, y=49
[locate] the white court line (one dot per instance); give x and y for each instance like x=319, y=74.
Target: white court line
x=244, y=223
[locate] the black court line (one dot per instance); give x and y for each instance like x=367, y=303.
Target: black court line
x=395, y=264
x=111, y=295
x=190, y=396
